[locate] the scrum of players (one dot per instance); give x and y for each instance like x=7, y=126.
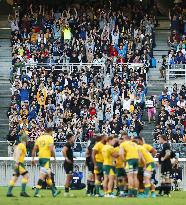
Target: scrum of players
x=125, y=163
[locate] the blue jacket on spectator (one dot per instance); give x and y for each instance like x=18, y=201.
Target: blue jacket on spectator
x=173, y=103
x=180, y=59
x=24, y=94
x=25, y=78
x=122, y=52
x=162, y=97
x=172, y=62
x=82, y=34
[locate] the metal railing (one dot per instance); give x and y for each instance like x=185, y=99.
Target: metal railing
x=176, y=71
x=77, y=67
x=6, y=164
x=178, y=148
x=58, y=66
x=79, y=148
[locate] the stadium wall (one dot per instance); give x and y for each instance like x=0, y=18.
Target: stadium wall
x=7, y=163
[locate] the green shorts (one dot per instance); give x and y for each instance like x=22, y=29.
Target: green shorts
x=120, y=172
x=100, y=168
x=44, y=162
x=108, y=170
x=132, y=165
x=20, y=170
x=150, y=167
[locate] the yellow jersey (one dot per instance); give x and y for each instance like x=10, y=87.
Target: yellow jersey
x=118, y=160
x=22, y=148
x=146, y=154
x=148, y=147
x=43, y=142
x=130, y=150
x=98, y=147
x=107, y=152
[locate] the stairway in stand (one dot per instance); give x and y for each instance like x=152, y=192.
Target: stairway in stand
x=155, y=83
x=5, y=65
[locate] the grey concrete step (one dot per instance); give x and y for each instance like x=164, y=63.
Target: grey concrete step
x=3, y=114
x=5, y=93
x=163, y=18
x=4, y=80
x=160, y=52
x=155, y=83
x=4, y=149
x=5, y=102
x=157, y=79
x=4, y=129
x=5, y=58
x=5, y=68
x=5, y=42
x=5, y=86
x=5, y=33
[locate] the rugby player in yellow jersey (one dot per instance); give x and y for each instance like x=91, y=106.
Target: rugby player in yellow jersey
x=109, y=156
x=97, y=158
x=121, y=177
x=148, y=147
x=19, y=168
x=153, y=152
x=129, y=152
x=148, y=164
x=45, y=145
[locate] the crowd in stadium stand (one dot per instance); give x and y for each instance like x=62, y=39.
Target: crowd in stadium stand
x=177, y=39
x=172, y=115
x=107, y=99
x=171, y=118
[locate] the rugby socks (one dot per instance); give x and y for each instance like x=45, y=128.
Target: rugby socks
x=167, y=188
x=130, y=191
x=141, y=191
x=51, y=185
x=120, y=188
x=161, y=188
x=88, y=187
x=109, y=192
x=147, y=189
x=23, y=185
x=11, y=186
x=91, y=187
x=39, y=186
x=135, y=192
x=97, y=186
x=67, y=189
x=118, y=191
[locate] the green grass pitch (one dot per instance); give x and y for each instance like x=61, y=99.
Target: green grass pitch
x=178, y=198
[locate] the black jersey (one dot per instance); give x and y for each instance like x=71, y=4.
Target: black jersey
x=89, y=161
x=91, y=145
x=166, y=165
x=69, y=152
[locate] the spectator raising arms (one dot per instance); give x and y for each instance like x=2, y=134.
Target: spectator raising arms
x=105, y=94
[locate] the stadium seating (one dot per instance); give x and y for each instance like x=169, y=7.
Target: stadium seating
x=84, y=71
x=101, y=92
